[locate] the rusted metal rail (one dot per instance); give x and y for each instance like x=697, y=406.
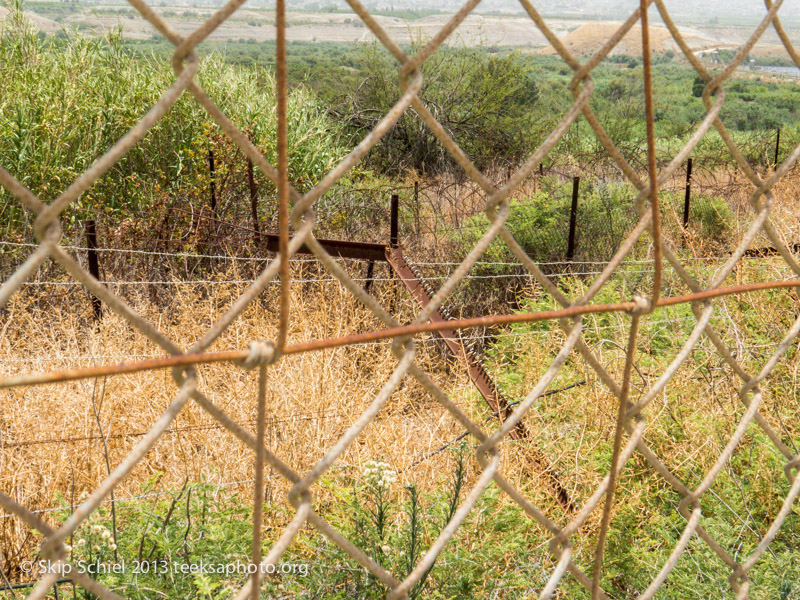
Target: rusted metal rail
x=338, y=248
x=480, y=377
x=417, y=287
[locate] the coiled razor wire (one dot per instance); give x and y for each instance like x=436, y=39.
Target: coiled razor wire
x=631, y=417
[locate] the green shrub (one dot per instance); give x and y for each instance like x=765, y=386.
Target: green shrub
x=604, y=218
x=66, y=102
x=487, y=103
x=540, y=224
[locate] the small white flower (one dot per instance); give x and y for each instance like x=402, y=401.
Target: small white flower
x=96, y=548
x=81, y=542
x=67, y=547
x=106, y=534
x=112, y=546
x=97, y=528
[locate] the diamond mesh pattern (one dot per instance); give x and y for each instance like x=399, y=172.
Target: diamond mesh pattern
x=631, y=417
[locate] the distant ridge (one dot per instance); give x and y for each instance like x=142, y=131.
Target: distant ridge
x=590, y=37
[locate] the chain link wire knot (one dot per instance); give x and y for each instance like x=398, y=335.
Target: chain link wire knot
x=261, y=353
x=641, y=306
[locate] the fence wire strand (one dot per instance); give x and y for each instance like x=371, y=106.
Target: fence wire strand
x=298, y=209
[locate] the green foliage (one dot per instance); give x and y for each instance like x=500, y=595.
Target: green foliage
x=394, y=528
x=698, y=85
x=67, y=102
x=485, y=102
x=624, y=59
x=156, y=536
x=712, y=218
x=646, y=525
x=540, y=224
x=494, y=551
x=604, y=217
x=502, y=112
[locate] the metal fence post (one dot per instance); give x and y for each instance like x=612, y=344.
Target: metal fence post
x=212, y=185
x=251, y=181
x=688, y=195
x=416, y=209
x=573, y=218
x=394, y=224
x=369, y=275
x=777, y=146
x=94, y=264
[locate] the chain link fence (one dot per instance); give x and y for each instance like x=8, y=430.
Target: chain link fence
x=495, y=200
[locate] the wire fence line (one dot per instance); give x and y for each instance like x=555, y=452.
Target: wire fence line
x=631, y=419
x=420, y=263
x=601, y=223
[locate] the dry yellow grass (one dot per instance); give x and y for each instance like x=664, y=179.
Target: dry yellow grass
x=50, y=436
x=51, y=443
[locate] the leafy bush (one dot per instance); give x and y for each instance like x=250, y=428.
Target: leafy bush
x=153, y=537
x=66, y=102
x=487, y=104
x=540, y=224
x=605, y=216
x=496, y=550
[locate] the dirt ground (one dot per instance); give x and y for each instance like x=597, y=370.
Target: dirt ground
x=581, y=36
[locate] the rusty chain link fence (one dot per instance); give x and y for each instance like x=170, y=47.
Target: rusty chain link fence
x=299, y=211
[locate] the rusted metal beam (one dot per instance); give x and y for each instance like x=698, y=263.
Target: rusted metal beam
x=497, y=402
x=340, y=248
x=394, y=221
x=482, y=380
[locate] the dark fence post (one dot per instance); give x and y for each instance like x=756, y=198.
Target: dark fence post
x=573, y=218
x=94, y=264
x=537, y=180
x=394, y=238
x=416, y=209
x=253, y=199
x=212, y=184
x=777, y=146
x=688, y=195
x=370, y=271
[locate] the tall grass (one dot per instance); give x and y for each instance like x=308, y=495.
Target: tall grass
x=65, y=102
x=688, y=426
